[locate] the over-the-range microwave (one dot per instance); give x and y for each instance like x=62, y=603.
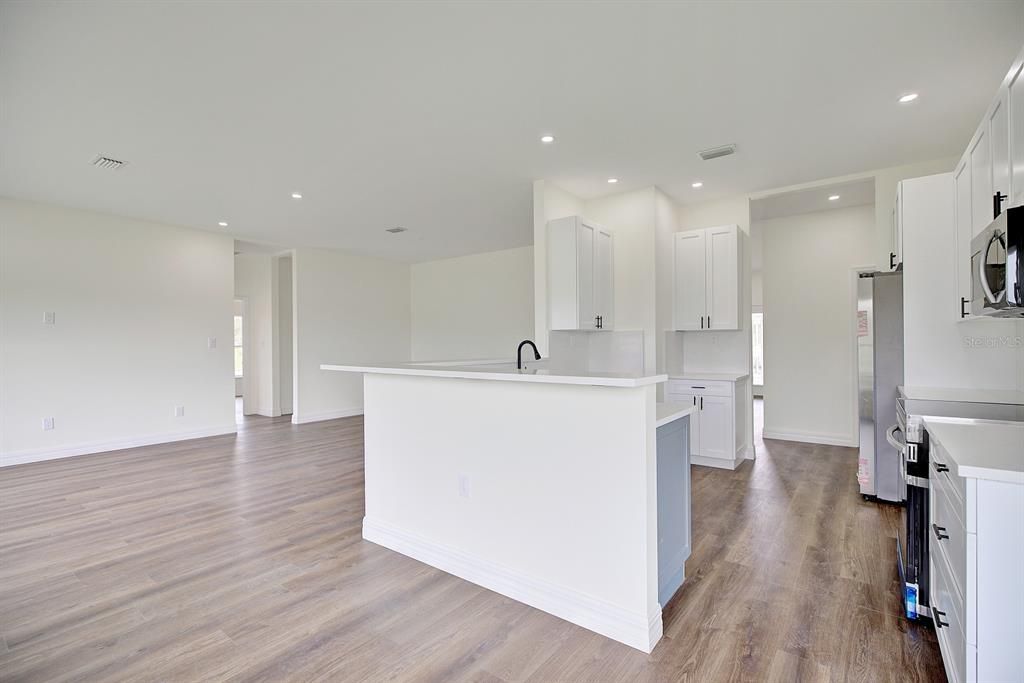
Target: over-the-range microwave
x=997, y=267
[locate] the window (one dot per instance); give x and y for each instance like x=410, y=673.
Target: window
x=757, y=329
x=238, y=346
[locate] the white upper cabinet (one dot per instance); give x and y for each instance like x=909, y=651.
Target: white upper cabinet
x=706, y=279
x=581, y=280
x=896, y=255
x=690, y=284
x=1015, y=103
x=981, y=181
x=964, y=232
x=999, y=144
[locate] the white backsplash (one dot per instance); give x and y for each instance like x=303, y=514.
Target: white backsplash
x=605, y=351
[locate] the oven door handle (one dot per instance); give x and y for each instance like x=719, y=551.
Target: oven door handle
x=890, y=436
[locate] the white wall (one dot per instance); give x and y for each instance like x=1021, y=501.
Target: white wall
x=349, y=309
x=810, y=373
x=549, y=202
x=254, y=282
x=631, y=218
x=135, y=303
x=478, y=306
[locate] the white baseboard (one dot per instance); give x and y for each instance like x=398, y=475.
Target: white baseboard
x=804, y=437
x=748, y=453
x=635, y=630
x=303, y=418
x=720, y=463
x=41, y=454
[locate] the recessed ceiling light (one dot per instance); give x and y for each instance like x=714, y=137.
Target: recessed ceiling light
x=697, y=184
x=547, y=139
x=296, y=195
x=222, y=224
x=909, y=97
x=613, y=180
x=833, y=197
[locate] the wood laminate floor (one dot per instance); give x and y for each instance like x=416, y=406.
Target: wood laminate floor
x=240, y=559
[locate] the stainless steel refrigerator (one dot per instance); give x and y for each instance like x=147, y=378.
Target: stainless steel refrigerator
x=879, y=372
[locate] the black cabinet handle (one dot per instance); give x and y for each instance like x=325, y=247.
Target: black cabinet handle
x=694, y=400
x=702, y=403
x=892, y=260
x=939, y=623
x=709, y=322
x=997, y=203
x=940, y=532
x=963, y=307
x=702, y=322
x=939, y=467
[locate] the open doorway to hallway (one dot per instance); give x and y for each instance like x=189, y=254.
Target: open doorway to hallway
x=264, y=330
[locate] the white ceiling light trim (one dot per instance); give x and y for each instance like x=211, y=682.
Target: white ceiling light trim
x=296, y=195
x=547, y=139
x=909, y=97
x=612, y=181
x=223, y=224
x=833, y=197
x=697, y=185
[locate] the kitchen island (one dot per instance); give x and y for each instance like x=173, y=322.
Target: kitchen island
x=539, y=485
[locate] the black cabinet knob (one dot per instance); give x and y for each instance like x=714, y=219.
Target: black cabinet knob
x=939, y=467
x=940, y=532
x=939, y=623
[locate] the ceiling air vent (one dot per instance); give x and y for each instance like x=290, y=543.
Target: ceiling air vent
x=396, y=230
x=715, y=152
x=106, y=162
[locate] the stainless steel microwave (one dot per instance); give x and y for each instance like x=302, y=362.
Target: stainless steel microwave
x=997, y=267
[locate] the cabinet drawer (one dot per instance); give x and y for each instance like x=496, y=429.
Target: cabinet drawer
x=699, y=387
x=944, y=469
x=948, y=533
x=950, y=633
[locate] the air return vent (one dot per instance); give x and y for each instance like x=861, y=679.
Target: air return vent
x=715, y=152
x=395, y=230
x=106, y=162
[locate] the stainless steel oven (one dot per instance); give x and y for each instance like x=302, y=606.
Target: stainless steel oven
x=997, y=267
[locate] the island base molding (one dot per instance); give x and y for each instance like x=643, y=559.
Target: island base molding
x=635, y=630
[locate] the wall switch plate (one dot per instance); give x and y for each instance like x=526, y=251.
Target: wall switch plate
x=211, y=342
x=49, y=317
x=47, y=424
x=179, y=411
x=464, y=485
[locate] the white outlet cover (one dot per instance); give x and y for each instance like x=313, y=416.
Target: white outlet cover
x=211, y=342
x=49, y=317
x=47, y=424
x=179, y=411
x=464, y=485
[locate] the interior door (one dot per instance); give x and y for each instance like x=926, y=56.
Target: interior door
x=689, y=284
x=715, y=427
x=604, y=278
x=722, y=279
x=585, y=276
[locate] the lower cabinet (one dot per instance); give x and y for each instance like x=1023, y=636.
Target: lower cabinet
x=717, y=426
x=976, y=557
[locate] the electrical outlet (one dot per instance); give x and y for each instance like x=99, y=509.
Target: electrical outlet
x=211, y=342
x=464, y=485
x=47, y=424
x=49, y=317
x=179, y=411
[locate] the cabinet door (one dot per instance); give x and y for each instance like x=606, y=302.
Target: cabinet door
x=723, y=278
x=964, y=232
x=689, y=399
x=585, y=276
x=981, y=181
x=999, y=137
x=689, y=281
x=716, y=440
x=1015, y=102
x=604, y=278
x=896, y=257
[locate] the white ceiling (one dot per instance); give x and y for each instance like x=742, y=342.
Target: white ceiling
x=427, y=115
x=811, y=199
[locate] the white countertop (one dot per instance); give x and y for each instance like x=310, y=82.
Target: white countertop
x=981, y=449
x=503, y=372
x=670, y=412
x=1009, y=396
x=713, y=376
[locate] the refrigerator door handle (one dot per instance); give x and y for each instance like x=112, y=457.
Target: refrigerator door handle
x=890, y=436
